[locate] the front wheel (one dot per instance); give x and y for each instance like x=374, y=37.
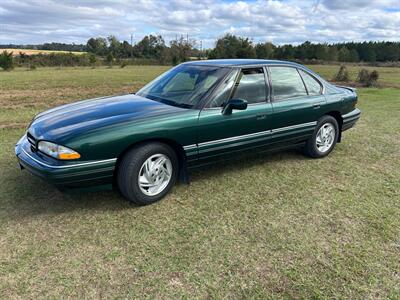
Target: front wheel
x=324, y=138
x=147, y=173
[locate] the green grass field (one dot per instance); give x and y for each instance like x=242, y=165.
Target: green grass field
x=275, y=225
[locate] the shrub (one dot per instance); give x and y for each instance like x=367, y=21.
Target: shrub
x=6, y=60
x=92, y=59
x=363, y=76
x=110, y=59
x=32, y=67
x=368, y=79
x=52, y=60
x=342, y=74
x=374, y=76
x=175, y=60
x=123, y=64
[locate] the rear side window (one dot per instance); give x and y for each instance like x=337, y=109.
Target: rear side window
x=313, y=86
x=286, y=83
x=251, y=86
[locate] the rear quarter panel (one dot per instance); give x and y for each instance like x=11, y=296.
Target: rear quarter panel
x=341, y=101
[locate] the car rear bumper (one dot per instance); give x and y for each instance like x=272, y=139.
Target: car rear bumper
x=350, y=119
x=64, y=174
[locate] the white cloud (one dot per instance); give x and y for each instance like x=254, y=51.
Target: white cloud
x=37, y=21
x=357, y=4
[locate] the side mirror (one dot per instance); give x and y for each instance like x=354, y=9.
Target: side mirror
x=238, y=104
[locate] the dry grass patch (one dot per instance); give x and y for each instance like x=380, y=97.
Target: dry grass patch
x=16, y=52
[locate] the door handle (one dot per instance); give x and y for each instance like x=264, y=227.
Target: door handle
x=316, y=105
x=261, y=117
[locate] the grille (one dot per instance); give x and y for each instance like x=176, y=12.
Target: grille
x=31, y=141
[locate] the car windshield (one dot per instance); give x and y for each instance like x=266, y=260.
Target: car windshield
x=184, y=85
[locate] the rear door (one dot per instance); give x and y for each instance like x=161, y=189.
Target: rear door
x=243, y=129
x=296, y=101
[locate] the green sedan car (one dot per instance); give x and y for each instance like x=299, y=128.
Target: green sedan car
x=193, y=114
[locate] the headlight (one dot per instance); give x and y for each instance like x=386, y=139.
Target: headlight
x=57, y=151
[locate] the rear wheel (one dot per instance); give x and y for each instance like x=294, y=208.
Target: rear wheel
x=147, y=173
x=324, y=138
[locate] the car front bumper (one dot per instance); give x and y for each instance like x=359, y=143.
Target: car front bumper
x=64, y=174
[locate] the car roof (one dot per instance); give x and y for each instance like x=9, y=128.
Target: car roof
x=239, y=62
x=249, y=63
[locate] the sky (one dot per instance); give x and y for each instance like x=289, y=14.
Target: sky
x=280, y=22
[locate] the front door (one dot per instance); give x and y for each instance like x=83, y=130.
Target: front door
x=297, y=101
x=242, y=129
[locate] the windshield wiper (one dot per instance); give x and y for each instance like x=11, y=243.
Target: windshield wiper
x=169, y=102
x=179, y=104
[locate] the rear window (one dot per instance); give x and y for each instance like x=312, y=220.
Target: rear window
x=313, y=86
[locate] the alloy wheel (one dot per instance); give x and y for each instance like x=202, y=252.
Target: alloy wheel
x=325, y=137
x=155, y=174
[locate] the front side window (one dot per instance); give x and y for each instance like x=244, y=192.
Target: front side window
x=184, y=85
x=313, y=86
x=223, y=92
x=286, y=83
x=251, y=86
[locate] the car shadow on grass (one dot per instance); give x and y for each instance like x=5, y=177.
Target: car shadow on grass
x=27, y=196
x=245, y=161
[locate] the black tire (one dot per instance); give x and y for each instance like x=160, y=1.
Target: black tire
x=130, y=166
x=311, y=148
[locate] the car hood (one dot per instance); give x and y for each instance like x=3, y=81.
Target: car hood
x=84, y=116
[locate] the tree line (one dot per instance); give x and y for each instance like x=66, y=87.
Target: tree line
x=231, y=46
x=150, y=47
x=153, y=49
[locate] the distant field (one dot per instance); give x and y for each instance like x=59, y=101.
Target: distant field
x=388, y=76
x=33, y=51
x=276, y=225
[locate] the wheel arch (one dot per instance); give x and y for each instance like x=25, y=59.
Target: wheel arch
x=339, y=120
x=178, y=148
